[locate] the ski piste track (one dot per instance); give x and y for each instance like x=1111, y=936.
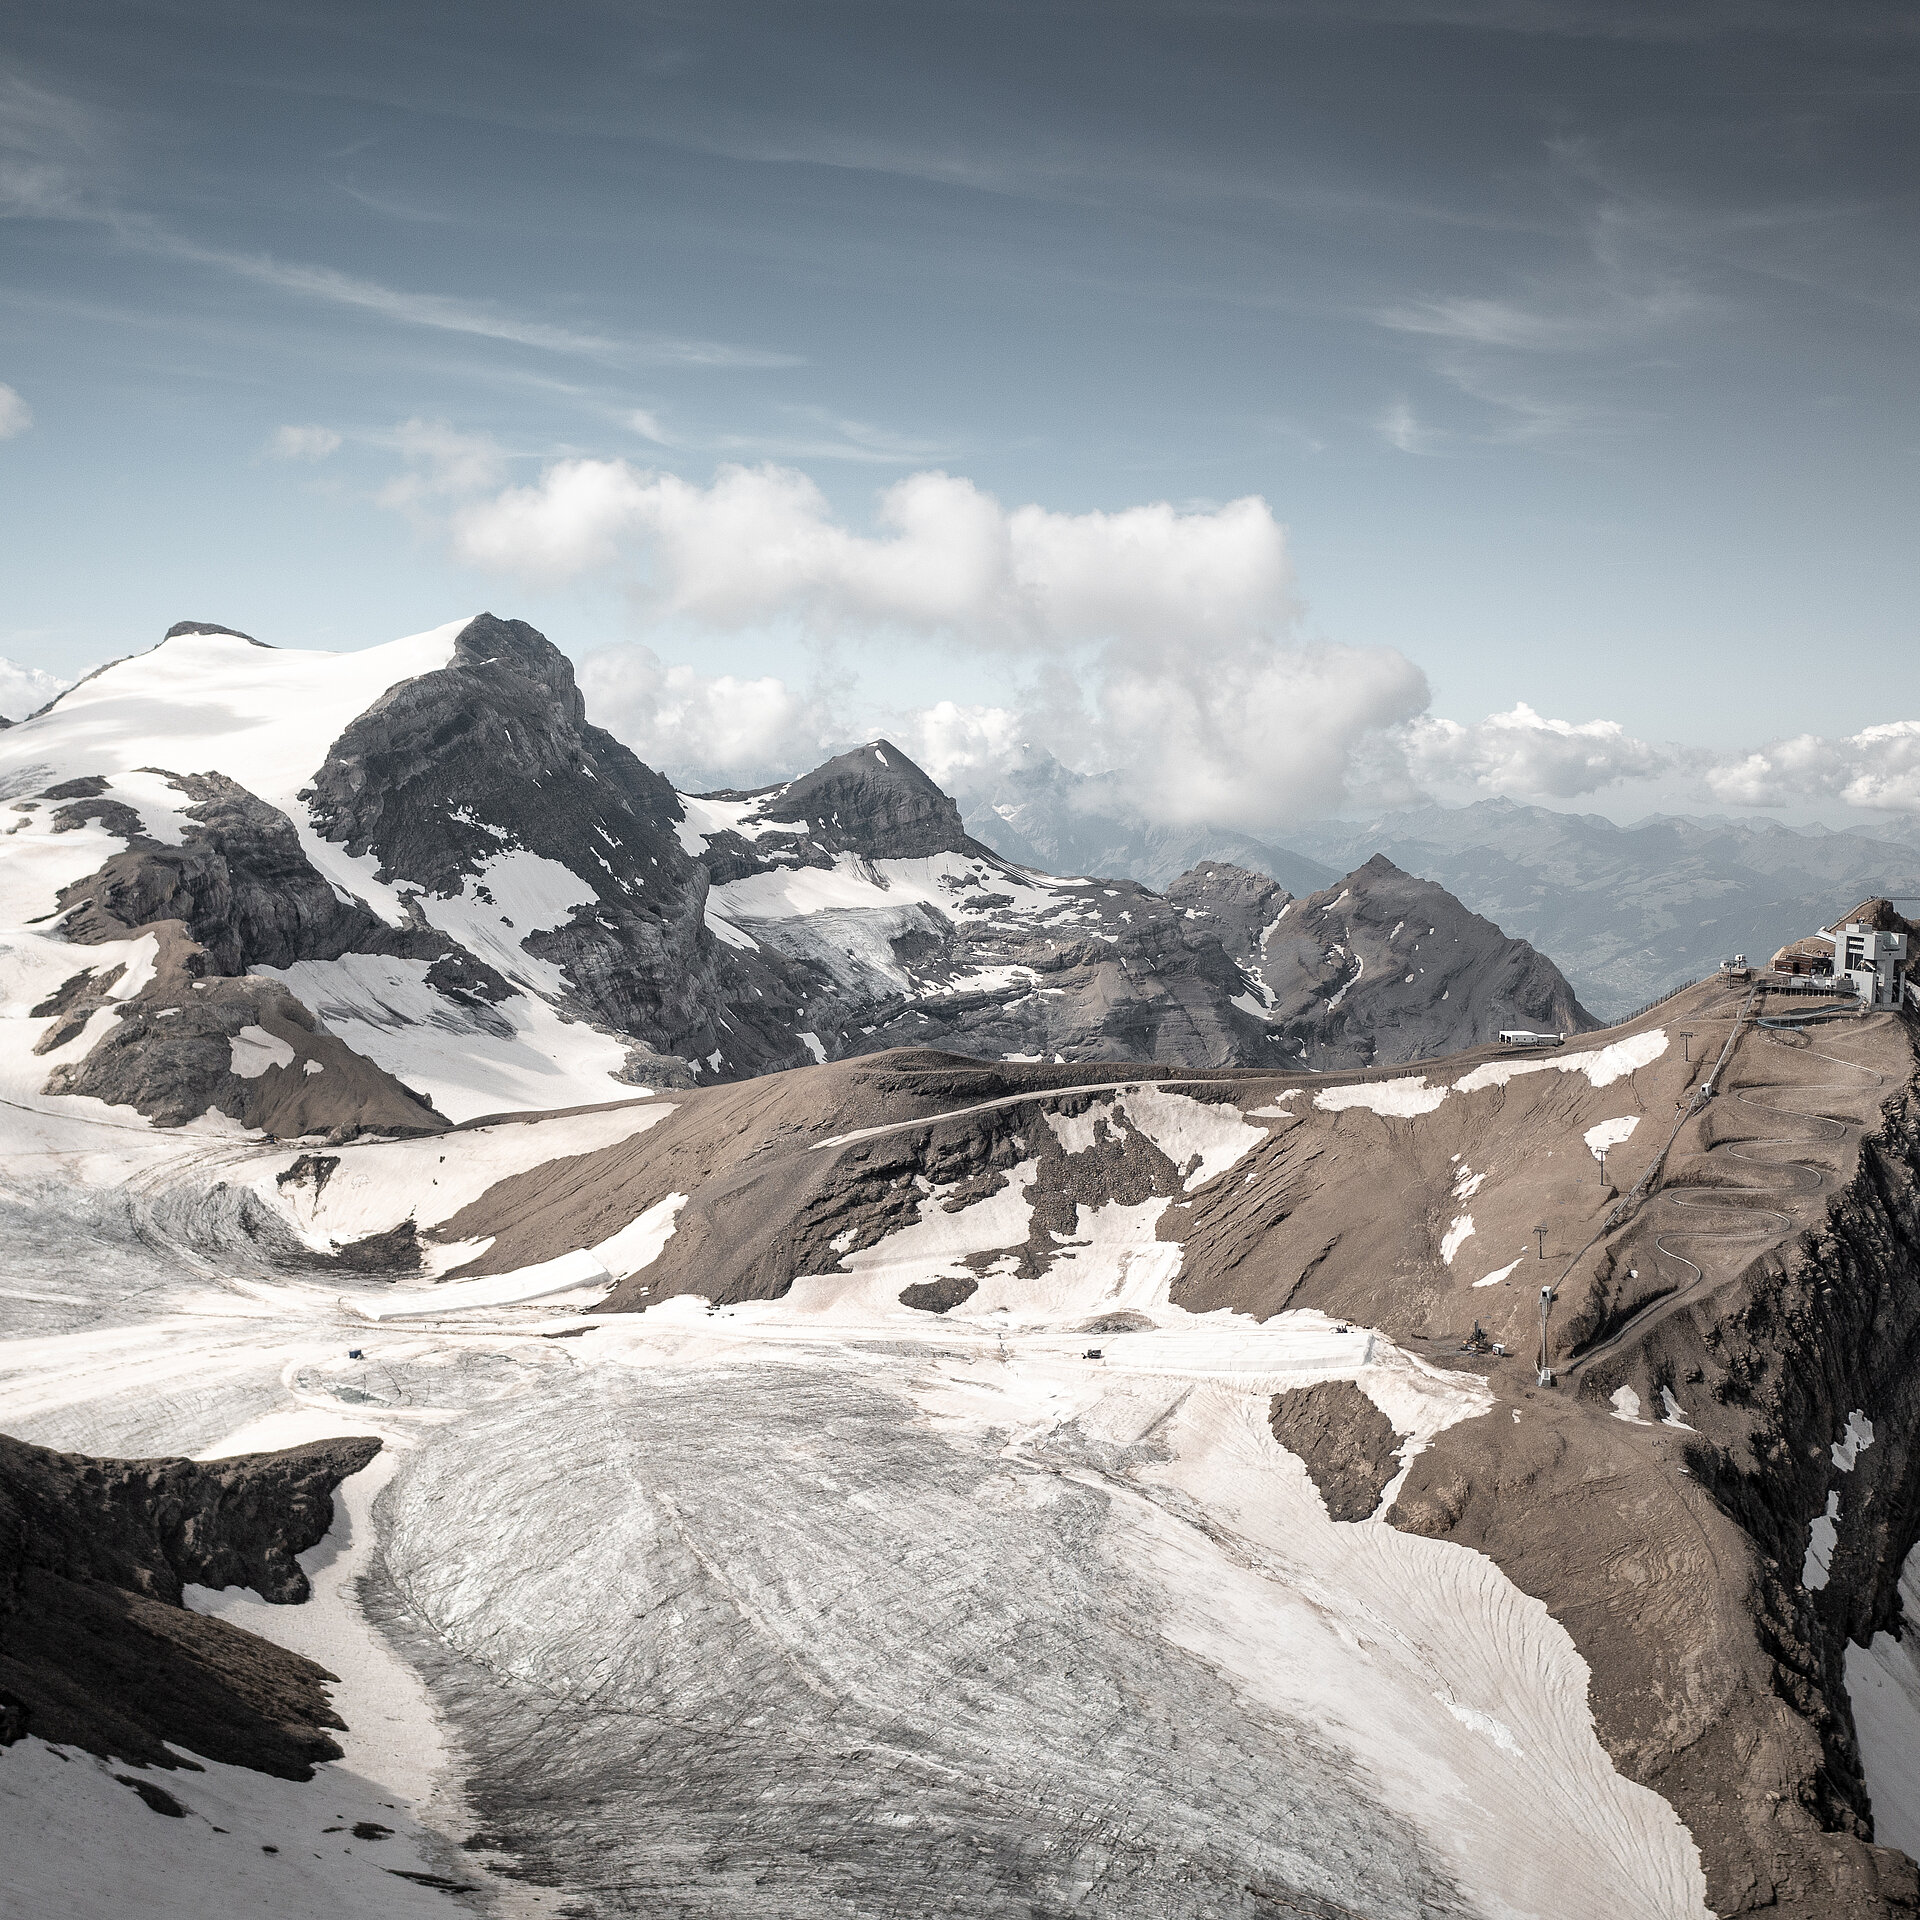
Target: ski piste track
x=1746, y=1224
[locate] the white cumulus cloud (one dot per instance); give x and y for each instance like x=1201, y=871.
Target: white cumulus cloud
x=1170, y=628
x=965, y=749
x=759, y=543
x=25, y=690
x=1254, y=736
x=1875, y=769
x=707, y=730
x=303, y=443
x=15, y=415
x=1522, y=754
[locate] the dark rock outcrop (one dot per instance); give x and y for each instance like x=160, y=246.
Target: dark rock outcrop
x=96, y=1650
x=1347, y=1445
x=169, y=1050
x=239, y=883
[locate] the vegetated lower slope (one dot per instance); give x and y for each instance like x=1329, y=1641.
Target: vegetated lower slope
x=414, y=884
x=1630, y=911
x=1716, y=1498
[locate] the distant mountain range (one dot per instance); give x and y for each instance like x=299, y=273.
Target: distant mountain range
x=1045, y=815
x=1631, y=911
x=1627, y=911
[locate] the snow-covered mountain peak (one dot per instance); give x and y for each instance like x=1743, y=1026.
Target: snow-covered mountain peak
x=211, y=700
x=415, y=883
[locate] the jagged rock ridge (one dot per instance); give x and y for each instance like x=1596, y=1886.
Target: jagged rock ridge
x=415, y=885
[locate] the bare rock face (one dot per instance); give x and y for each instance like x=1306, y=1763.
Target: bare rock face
x=1346, y=1443
x=96, y=1650
x=1238, y=903
x=1384, y=968
x=1004, y=962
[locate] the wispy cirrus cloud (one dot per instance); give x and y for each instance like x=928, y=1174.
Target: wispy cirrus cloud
x=1398, y=425
x=303, y=443
x=15, y=415
x=55, y=165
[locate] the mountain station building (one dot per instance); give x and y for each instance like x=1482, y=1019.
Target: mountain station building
x=1868, y=951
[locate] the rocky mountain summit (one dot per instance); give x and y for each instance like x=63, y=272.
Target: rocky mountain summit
x=415, y=885
x=861, y=879
x=1378, y=969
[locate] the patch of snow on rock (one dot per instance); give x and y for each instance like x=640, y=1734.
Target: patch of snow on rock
x=1602, y=1068
x=1883, y=1683
x=639, y=1243
x=1398, y=1099
x=1609, y=1134
x=382, y=1007
x=1210, y=1134
x=255, y=1050
x=570, y=1273
x=1822, y=1537
x=1854, y=1442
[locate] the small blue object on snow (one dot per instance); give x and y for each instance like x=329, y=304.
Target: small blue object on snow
x=353, y=1353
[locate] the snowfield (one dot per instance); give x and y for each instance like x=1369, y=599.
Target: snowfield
x=264, y=716
x=803, y=1606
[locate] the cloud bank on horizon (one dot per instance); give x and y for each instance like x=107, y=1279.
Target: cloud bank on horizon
x=1170, y=643
x=1160, y=645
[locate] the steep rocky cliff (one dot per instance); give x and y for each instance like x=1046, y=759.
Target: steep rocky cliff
x=96, y=1649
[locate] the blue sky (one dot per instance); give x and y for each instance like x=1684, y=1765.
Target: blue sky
x=1572, y=348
